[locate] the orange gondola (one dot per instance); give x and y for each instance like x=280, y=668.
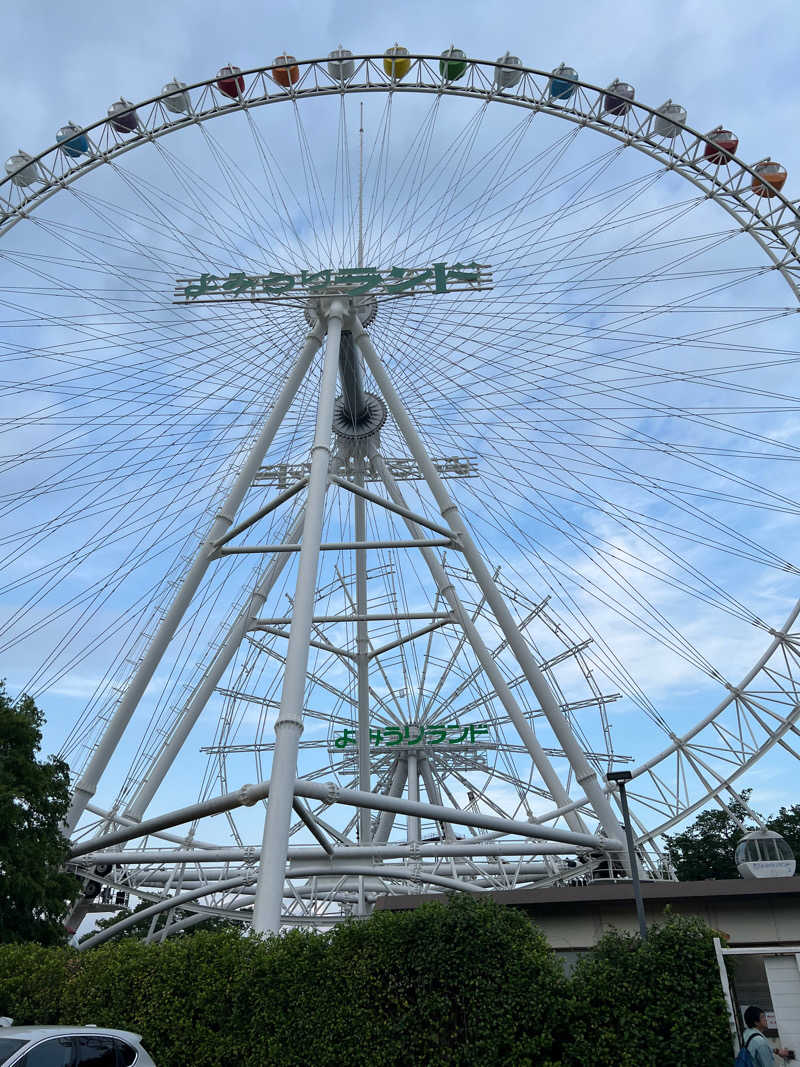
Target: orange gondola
x=286, y=71
x=769, y=178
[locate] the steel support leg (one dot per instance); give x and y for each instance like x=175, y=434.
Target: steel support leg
x=362, y=660
x=487, y=661
x=434, y=794
x=386, y=818
x=414, y=822
x=194, y=709
x=269, y=894
x=585, y=775
x=87, y=785
x=362, y=668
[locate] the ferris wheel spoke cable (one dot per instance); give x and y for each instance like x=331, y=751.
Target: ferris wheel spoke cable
x=579, y=538
x=107, y=585
x=112, y=447
x=98, y=338
x=611, y=509
x=318, y=202
x=286, y=245
x=224, y=224
x=407, y=197
x=241, y=202
x=522, y=534
x=574, y=459
x=278, y=184
x=153, y=488
x=661, y=445
x=123, y=431
x=522, y=240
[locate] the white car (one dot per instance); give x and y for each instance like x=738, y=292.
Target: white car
x=71, y=1046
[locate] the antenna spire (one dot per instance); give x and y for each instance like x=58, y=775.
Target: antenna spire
x=361, y=189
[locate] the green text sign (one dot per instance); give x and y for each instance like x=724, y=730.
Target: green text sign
x=350, y=281
x=392, y=736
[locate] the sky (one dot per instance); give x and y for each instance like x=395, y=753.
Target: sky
x=726, y=65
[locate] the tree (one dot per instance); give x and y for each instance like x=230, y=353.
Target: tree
x=706, y=848
x=34, y=797
x=787, y=824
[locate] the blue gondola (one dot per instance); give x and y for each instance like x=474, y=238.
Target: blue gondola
x=72, y=142
x=562, y=82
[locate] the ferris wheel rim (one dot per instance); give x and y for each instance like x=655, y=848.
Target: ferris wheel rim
x=705, y=177
x=736, y=692
x=662, y=152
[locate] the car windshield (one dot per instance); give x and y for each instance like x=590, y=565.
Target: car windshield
x=8, y=1046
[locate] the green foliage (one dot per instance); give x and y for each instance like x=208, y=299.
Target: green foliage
x=463, y=983
x=34, y=798
x=33, y=979
x=787, y=824
x=706, y=848
x=470, y=983
x=636, y=1004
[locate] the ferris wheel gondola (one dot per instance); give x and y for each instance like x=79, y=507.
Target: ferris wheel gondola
x=764, y=854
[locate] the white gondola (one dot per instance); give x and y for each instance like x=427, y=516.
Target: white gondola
x=22, y=170
x=178, y=101
x=340, y=64
x=507, y=72
x=764, y=854
x=669, y=119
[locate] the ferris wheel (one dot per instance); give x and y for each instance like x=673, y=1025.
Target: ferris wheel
x=383, y=465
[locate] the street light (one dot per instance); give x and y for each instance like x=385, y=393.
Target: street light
x=619, y=778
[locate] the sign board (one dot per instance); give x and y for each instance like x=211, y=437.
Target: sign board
x=410, y=735
x=350, y=281
x=402, y=469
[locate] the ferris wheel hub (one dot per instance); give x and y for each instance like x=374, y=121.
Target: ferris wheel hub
x=371, y=419
x=365, y=307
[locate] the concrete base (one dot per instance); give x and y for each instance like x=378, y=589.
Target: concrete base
x=573, y=918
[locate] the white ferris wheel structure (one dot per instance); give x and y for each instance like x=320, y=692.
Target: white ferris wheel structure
x=383, y=465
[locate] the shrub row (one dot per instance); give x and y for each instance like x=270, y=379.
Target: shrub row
x=467, y=982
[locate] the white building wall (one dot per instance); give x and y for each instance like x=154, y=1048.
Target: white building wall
x=783, y=975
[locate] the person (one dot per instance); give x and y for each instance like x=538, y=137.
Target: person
x=753, y=1038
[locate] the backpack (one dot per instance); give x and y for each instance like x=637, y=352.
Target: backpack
x=744, y=1059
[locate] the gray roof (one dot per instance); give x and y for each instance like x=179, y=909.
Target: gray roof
x=33, y=1031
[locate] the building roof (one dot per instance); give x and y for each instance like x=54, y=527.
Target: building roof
x=577, y=897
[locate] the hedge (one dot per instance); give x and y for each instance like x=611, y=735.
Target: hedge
x=464, y=982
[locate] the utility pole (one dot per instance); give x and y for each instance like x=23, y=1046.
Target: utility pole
x=619, y=778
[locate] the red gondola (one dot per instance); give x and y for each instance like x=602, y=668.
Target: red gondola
x=721, y=144
x=230, y=81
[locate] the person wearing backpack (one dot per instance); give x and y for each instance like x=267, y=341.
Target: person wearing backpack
x=756, y=1051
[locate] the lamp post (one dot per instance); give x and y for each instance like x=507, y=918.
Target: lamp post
x=619, y=778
